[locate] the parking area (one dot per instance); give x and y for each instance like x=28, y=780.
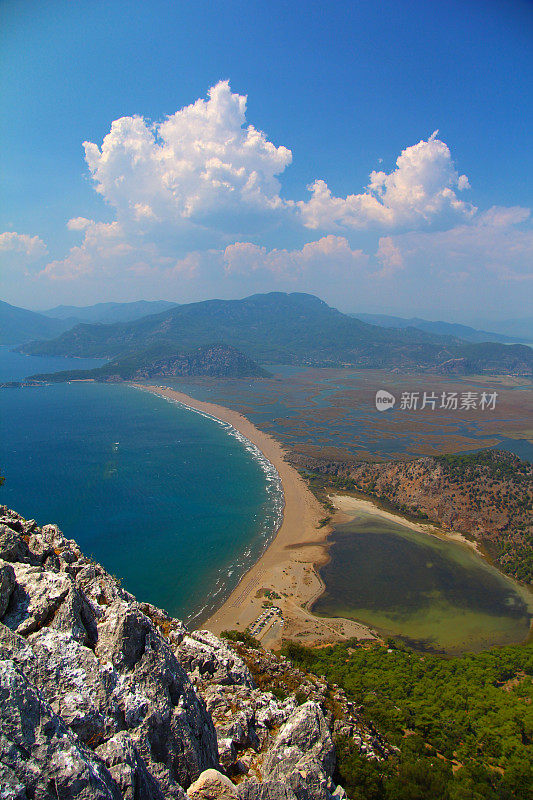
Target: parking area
x=265, y=621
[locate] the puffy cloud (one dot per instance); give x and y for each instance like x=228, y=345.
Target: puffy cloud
x=493, y=249
x=331, y=254
x=104, y=250
x=21, y=257
x=79, y=223
x=421, y=188
x=503, y=217
x=390, y=257
x=197, y=165
x=26, y=249
x=187, y=188
x=204, y=165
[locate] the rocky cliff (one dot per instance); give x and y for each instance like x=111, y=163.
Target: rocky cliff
x=102, y=696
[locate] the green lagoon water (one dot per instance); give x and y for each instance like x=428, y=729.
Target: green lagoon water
x=175, y=503
x=435, y=594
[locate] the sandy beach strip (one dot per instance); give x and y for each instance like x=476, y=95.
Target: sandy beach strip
x=288, y=565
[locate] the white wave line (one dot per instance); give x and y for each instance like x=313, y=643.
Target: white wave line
x=274, y=488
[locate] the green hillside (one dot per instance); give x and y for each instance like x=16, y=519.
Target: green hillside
x=463, y=726
x=283, y=328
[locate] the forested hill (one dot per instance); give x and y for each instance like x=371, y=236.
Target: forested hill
x=285, y=328
x=463, y=726
x=214, y=361
x=18, y=325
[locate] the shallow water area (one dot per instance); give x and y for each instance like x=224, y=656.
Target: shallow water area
x=435, y=594
x=325, y=410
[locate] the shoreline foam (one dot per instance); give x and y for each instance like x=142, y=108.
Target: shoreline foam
x=277, y=498
x=288, y=565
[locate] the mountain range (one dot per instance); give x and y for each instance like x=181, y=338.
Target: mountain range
x=110, y=312
x=465, y=332
x=278, y=328
x=18, y=325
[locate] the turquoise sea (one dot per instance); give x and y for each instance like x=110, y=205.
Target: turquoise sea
x=176, y=504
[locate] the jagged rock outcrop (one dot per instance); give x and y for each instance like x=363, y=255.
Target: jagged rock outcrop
x=303, y=755
x=267, y=790
x=107, y=674
x=40, y=756
x=105, y=697
x=206, y=657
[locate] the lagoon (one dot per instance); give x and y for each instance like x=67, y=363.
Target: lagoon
x=436, y=595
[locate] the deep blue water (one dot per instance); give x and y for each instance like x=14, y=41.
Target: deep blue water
x=15, y=366
x=171, y=501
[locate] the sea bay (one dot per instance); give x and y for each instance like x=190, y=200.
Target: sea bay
x=174, y=503
x=179, y=506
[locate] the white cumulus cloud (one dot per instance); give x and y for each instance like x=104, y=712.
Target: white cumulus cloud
x=329, y=255
x=492, y=250
x=422, y=187
x=105, y=250
x=198, y=195
x=200, y=163
x=21, y=258
x=26, y=248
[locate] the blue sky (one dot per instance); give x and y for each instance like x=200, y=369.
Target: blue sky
x=202, y=206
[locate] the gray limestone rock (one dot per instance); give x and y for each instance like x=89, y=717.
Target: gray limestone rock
x=267, y=790
x=202, y=653
x=103, y=666
x=303, y=755
x=227, y=752
x=11, y=788
x=12, y=546
x=7, y=584
x=36, y=598
x=39, y=751
x=128, y=769
x=304, y=734
x=123, y=635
